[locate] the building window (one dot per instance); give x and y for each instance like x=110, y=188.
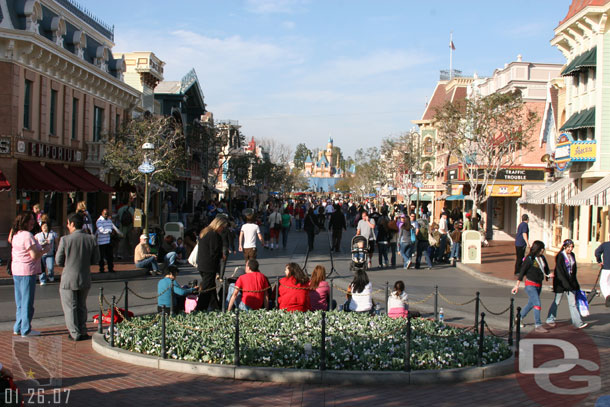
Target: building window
x=53, y=113
x=98, y=117
x=27, y=101
x=74, y=117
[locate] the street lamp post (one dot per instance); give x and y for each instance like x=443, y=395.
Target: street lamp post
x=418, y=186
x=146, y=168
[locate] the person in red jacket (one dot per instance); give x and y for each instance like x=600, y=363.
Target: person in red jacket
x=294, y=289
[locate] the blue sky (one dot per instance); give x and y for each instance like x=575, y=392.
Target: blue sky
x=359, y=70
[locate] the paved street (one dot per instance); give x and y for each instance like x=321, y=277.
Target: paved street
x=92, y=378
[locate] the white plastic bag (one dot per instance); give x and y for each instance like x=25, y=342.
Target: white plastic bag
x=193, y=257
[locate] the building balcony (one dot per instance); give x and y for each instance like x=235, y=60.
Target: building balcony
x=95, y=152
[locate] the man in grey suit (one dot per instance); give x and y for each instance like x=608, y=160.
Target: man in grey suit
x=76, y=253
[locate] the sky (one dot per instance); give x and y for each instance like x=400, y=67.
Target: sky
x=299, y=71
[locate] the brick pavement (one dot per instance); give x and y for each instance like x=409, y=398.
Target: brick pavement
x=95, y=380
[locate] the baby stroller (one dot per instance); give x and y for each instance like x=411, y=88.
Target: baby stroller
x=360, y=249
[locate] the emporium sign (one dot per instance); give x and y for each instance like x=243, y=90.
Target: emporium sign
x=48, y=151
x=568, y=151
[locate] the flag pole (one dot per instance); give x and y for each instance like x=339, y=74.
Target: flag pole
x=451, y=55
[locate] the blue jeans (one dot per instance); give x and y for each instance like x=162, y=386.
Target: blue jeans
x=533, y=293
x=170, y=258
x=442, y=248
x=149, y=263
x=25, y=288
x=422, y=247
x=392, y=249
x=455, y=250
x=48, y=260
x=576, y=320
x=406, y=251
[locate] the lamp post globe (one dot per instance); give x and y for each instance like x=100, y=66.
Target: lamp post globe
x=146, y=168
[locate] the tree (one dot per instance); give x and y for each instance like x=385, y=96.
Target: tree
x=401, y=161
x=124, y=153
x=483, y=134
x=207, y=143
x=368, y=173
x=300, y=155
x=279, y=153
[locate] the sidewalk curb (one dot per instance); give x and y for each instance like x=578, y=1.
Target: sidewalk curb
x=279, y=375
x=117, y=275
x=493, y=280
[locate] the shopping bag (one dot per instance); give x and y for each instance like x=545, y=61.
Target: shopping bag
x=193, y=257
x=190, y=303
x=118, y=316
x=582, y=304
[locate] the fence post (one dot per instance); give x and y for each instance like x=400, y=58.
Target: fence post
x=477, y=303
x=277, y=293
x=518, y=330
x=126, y=299
x=100, y=327
x=163, y=321
x=112, y=322
x=436, y=303
x=323, y=344
x=237, y=336
x=171, y=296
x=224, y=294
x=387, y=293
x=332, y=294
x=511, y=322
x=408, y=345
x=481, y=340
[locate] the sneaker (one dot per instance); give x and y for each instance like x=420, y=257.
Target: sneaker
x=151, y=272
x=16, y=333
x=583, y=325
x=551, y=324
x=51, y=279
x=408, y=264
x=31, y=333
x=540, y=329
x=43, y=283
x=158, y=272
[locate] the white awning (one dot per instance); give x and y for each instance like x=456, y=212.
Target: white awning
x=597, y=194
x=557, y=193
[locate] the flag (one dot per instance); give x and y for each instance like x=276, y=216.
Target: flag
x=451, y=45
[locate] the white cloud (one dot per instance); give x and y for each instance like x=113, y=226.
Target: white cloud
x=275, y=6
x=289, y=25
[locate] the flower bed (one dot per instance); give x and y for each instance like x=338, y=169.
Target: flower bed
x=292, y=340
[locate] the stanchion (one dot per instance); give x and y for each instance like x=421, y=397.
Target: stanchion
x=408, y=345
x=323, y=344
x=436, y=303
x=100, y=327
x=224, y=294
x=277, y=293
x=237, y=336
x=481, y=340
x=163, y=321
x=387, y=293
x=518, y=330
x=126, y=300
x=511, y=322
x=171, y=297
x=112, y=322
x=477, y=303
x=332, y=294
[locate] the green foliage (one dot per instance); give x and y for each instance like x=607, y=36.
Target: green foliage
x=300, y=155
x=282, y=339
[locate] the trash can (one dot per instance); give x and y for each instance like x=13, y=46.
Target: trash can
x=176, y=229
x=471, y=247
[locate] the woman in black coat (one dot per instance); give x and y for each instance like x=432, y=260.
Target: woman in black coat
x=565, y=282
x=209, y=260
x=310, y=227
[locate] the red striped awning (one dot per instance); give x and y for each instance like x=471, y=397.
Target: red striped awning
x=72, y=177
x=31, y=176
x=4, y=184
x=92, y=179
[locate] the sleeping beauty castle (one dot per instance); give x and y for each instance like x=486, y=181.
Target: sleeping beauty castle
x=325, y=170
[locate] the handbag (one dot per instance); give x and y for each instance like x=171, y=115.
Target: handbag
x=582, y=304
x=190, y=303
x=193, y=256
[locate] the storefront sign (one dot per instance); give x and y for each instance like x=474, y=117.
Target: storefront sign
x=583, y=150
x=42, y=150
x=5, y=145
x=562, y=152
x=457, y=189
x=504, y=190
x=518, y=174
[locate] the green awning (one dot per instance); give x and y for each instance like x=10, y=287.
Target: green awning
x=580, y=120
x=585, y=60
